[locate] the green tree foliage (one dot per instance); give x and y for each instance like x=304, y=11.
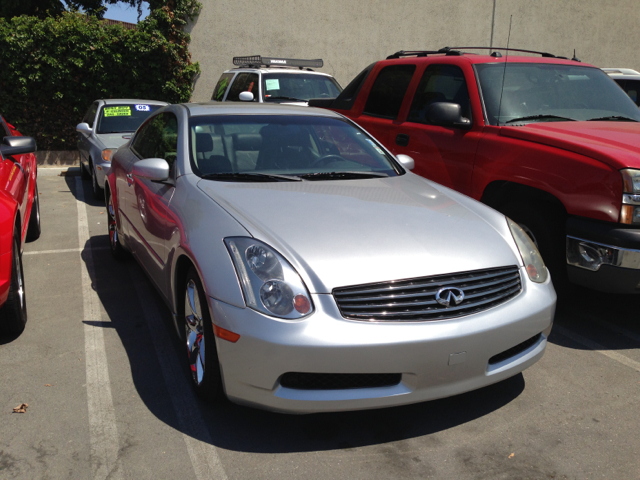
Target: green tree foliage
x=48, y=8
x=53, y=68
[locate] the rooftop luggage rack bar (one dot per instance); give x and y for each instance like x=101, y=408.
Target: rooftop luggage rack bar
x=542, y=54
x=457, y=51
x=257, y=61
x=423, y=53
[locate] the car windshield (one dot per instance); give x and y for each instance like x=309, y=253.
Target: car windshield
x=282, y=87
x=123, y=117
x=535, y=92
x=284, y=147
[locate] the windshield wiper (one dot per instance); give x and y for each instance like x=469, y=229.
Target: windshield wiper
x=615, y=118
x=341, y=175
x=539, y=117
x=287, y=98
x=250, y=177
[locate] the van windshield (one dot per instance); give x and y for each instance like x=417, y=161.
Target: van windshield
x=535, y=92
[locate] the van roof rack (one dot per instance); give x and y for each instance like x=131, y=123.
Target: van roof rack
x=257, y=61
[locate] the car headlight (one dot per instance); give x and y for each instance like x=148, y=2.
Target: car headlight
x=630, y=212
x=107, y=153
x=269, y=282
x=529, y=252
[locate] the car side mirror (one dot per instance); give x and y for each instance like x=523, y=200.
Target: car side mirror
x=154, y=169
x=17, y=145
x=84, y=128
x=406, y=161
x=246, y=97
x=447, y=114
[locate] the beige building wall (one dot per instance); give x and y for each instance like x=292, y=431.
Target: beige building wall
x=350, y=34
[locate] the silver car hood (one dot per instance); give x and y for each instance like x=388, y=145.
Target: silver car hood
x=352, y=232
x=113, y=140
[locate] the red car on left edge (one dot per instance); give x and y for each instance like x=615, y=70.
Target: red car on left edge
x=19, y=222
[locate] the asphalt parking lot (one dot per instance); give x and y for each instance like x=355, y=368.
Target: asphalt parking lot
x=108, y=392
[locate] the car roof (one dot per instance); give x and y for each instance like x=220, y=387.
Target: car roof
x=113, y=101
x=622, y=73
x=254, y=108
x=286, y=70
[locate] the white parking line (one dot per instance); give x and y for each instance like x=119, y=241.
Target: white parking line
x=103, y=432
x=591, y=345
x=204, y=458
x=65, y=250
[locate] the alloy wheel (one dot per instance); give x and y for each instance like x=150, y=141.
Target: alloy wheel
x=194, y=327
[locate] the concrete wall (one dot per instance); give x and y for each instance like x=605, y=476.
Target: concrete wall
x=350, y=34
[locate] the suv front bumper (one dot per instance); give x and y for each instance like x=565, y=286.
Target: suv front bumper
x=603, y=256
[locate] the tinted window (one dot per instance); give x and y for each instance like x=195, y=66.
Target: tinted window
x=440, y=83
x=158, y=138
x=284, y=86
x=123, y=118
x=388, y=91
x=547, y=91
x=221, y=87
x=283, y=144
x=90, y=116
x=244, y=82
x=632, y=87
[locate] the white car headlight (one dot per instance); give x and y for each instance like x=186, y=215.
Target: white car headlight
x=529, y=252
x=269, y=282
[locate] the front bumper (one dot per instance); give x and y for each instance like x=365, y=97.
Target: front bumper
x=436, y=359
x=603, y=256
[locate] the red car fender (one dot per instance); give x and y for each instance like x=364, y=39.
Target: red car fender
x=8, y=212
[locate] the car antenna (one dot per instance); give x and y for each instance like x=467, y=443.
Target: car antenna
x=504, y=73
x=575, y=59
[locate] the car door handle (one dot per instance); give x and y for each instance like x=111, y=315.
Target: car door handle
x=402, y=139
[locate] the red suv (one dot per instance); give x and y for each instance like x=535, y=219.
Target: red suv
x=19, y=221
x=551, y=142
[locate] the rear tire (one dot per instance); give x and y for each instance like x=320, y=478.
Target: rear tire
x=546, y=227
x=13, y=314
x=203, y=362
x=34, y=229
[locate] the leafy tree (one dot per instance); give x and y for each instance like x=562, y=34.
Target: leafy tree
x=48, y=8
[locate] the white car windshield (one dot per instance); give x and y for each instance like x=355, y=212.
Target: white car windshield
x=300, y=147
x=283, y=87
x=124, y=117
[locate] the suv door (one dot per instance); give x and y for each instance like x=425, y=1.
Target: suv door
x=444, y=154
x=244, y=82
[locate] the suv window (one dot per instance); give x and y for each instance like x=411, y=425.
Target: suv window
x=632, y=87
x=298, y=86
x=388, y=91
x=158, y=138
x=221, y=87
x=440, y=83
x=244, y=82
x=90, y=116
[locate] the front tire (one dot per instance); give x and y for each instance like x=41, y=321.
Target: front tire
x=200, y=341
x=34, y=229
x=117, y=250
x=13, y=314
x=84, y=172
x=98, y=191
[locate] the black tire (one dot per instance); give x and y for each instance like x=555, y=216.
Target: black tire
x=13, y=314
x=84, y=173
x=546, y=227
x=117, y=250
x=98, y=191
x=34, y=229
x=205, y=375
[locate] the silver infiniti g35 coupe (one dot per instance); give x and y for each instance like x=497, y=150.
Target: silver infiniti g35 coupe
x=309, y=270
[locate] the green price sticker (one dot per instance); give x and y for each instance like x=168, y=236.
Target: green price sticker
x=124, y=111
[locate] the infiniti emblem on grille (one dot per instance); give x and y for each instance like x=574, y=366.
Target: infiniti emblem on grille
x=448, y=295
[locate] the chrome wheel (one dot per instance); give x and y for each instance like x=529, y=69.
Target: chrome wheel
x=194, y=327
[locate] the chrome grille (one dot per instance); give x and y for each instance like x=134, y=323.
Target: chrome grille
x=415, y=299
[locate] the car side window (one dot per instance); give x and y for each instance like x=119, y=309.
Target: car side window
x=440, y=83
x=221, y=87
x=388, y=90
x=244, y=82
x=90, y=116
x=158, y=138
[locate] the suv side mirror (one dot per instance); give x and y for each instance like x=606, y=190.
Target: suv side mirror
x=447, y=114
x=246, y=97
x=17, y=145
x=83, y=128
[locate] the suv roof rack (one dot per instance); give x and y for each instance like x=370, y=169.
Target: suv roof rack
x=257, y=61
x=423, y=53
x=543, y=54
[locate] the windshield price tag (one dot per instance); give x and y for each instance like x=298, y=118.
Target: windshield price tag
x=272, y=84
x=121, y=111
x=143, y=108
